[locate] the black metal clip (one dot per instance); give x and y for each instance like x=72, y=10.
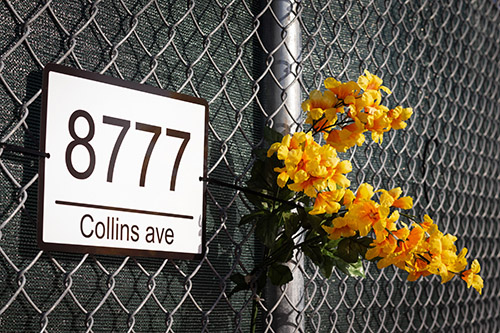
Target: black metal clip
x=23, y=150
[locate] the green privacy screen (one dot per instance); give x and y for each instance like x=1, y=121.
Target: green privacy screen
x=442, y=58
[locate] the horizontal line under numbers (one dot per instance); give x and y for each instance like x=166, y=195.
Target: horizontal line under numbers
x=128, y=210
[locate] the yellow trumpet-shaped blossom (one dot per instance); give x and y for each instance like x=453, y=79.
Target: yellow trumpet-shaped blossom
x=363, y=100
x=370, y=81
x=422, y=251
x=398, y=116
x=347, y=92
x=327, y=202
x=341, y=228
x=321, y=109
x=363, y=214
x=385, y=242
x=376, y=121
x=392, y=198
x=347, y=137
x=472, y=278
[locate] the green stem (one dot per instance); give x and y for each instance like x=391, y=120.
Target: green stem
x=396, y=238
x=274, y=200
x=410, y=217
x=322, y=127
x=421, y=257
x=255, y=312
x=346, y=122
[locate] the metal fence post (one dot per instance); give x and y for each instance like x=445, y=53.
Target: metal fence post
x=281, y=36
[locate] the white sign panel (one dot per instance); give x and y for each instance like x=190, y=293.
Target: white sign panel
x=123, y=176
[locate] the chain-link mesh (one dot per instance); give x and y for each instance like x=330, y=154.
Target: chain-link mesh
x=440, y=57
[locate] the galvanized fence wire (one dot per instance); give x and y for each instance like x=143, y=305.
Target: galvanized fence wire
x=440, y=57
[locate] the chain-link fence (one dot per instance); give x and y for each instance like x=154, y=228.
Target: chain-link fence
x=252, y=60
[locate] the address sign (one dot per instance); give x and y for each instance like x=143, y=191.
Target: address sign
x=124, y=167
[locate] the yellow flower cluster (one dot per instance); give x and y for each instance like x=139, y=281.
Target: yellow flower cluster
x=364, y=214
x=314, y=169
x=421, y=250
x=362, y=100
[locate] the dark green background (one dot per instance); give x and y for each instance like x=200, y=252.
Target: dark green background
x=439, y=57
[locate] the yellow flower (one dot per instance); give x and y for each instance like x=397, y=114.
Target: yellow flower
x=337, y=176
x=274, y=148
x=398, y=117
x=318, y=102
x=370, y=98
x=407, y=251
x=348, y=92
x=306, y=166
x=472, y=278
x=348, y=198
x=365, y=192
x=460, y=262
x=364, y=215
x=292, y=157
x=372, y=82
x=391, y=199
x=320, y=109
x=347, y=137
x=282, y=177
x=289, y=143
x=340, y=228
x=375, y=119
x=327, y=202
x=416, y=268
x=428, y=223
x=386, y=239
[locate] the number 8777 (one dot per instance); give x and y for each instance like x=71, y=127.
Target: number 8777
x=125, y=125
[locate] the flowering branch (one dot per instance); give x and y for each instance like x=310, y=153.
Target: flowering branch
x=300, y=187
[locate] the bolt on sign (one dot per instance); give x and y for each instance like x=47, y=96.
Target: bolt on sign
x=123, y=176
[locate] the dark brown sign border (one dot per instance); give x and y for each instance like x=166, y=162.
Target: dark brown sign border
x=41, y=170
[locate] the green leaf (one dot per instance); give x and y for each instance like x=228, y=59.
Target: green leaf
x=262, y=177
x=263, y=180
x=272, y=136
x=326, y=267
x=311, y=221
x=257, y=215
x=350, y=249
x=341, y=265
x=239, y=280
x=356, y=269
x=282, y=250
x=291, y=223
x=314, y=252
x=279, y=274
x=321, y=253
x=364, y=244
x=350, y=269
x=267, y=230
x=285, y=194
x=332, y=244
x=261, y=154
x=305, y=200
